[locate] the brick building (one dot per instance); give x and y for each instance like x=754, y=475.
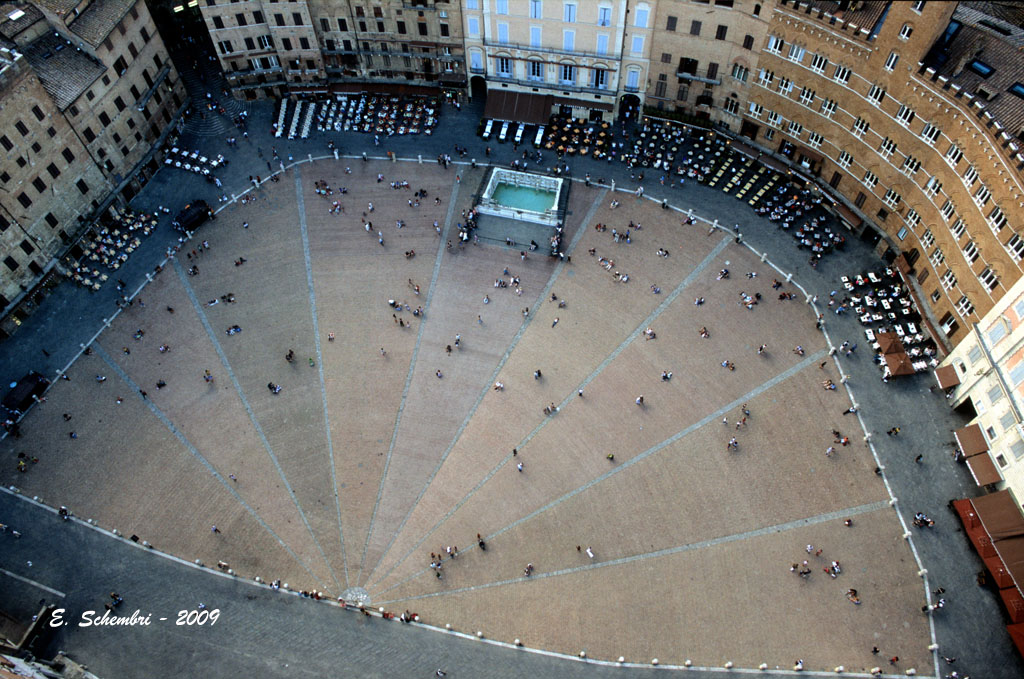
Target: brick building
x=702, y=60
x=87, y=93
x=270, y=48
x=895, y=107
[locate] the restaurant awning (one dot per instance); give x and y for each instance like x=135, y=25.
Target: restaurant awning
x=520, y=107
x=1017, y=635
x=971, y=440
x=899, y=364
x=999, y=514
x=947, y=377
x=889, y=343
x=848, y=216
x=983, y=469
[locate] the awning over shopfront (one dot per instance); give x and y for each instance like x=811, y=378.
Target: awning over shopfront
x=971, y=440
x=947, y=377
x=585, y=104
x=983, y=469
x=848, y=216
x=518, y=107
x=999, y=514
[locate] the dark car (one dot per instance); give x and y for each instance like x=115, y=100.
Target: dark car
x=24, y=392
x=193, y=216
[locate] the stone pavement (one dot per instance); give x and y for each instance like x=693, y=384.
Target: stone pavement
x=964, y=628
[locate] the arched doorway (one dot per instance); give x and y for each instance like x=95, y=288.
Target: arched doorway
x=629, y=108
x=478, y=88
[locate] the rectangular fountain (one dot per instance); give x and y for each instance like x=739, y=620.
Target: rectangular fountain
x=522, y=196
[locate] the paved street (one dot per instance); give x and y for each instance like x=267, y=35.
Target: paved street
x=262, y=633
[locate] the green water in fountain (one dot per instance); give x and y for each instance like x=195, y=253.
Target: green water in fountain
x=523, y=197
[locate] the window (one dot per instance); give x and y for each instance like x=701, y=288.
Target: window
x=970, y=250
x=917, y=5
x=53, y=170
x=266, y=42
x=970, y=176
x=910, y=166
x=756, y=110
x=938, y=259
x=796, y=53
x=568, y=73
x=501, y=6
x=503, y=65
x=887, y=147
x=982, y=195
x=286, y=43
x=503, y=35
x=536, y=70
x=932, y=187
x=785, y=86
x=954, y=154
x=774, y=119
x=240, y=20
x=965, y=307
x=930, y=134
x=876, y=95
x=828, y=107
x=842, y=74
x=444, y=32
x=948, y=280
x=89, y=135
x=683, y=92
x=769, y=134
x=39, y=184
x=1015, y=247
x=11, y=263
x=990, y=281
x=568, y=40
x=695, y=28
x=637, y=46
x=860, y=127
x=775, y=45
x=928, y=238
x=766, y=77
x=82, y=186
x=218, y=22
x=712, y=71
x=996, y=219
x=905, y=115
x=640, y=16
x=806, y=96
x=342, y=25
x=104, y=118
x=721, y=32
x=906, y=31
x=68, y=155
x=818, y=63
x=257, y=17
x=958, y=229
x=569, y=15
x=670, y=24
x=947, y=210
x=740, y=72
x=870, y=179
x=913, y=218
x=296, y=18
x=400, y=27
x=279, y=19
x=814, y=140
x=892, y=199
x=845, y=159
x=534, y=36
x=473, y=25
x=666, y=58
x=51, y=220
x=476, y=61
x=890, y=62
x=304, y=43
x=470, y=4
x=602, y=44
x=748, y=44
x=536, y=9
x=795, y=128
x=633, y=79
x=731, y=106
x=599, y=79
x=902, y=233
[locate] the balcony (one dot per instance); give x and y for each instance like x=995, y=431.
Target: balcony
x=550, y=50
x=631, y=88
x=479, y=70
x=696, y=78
